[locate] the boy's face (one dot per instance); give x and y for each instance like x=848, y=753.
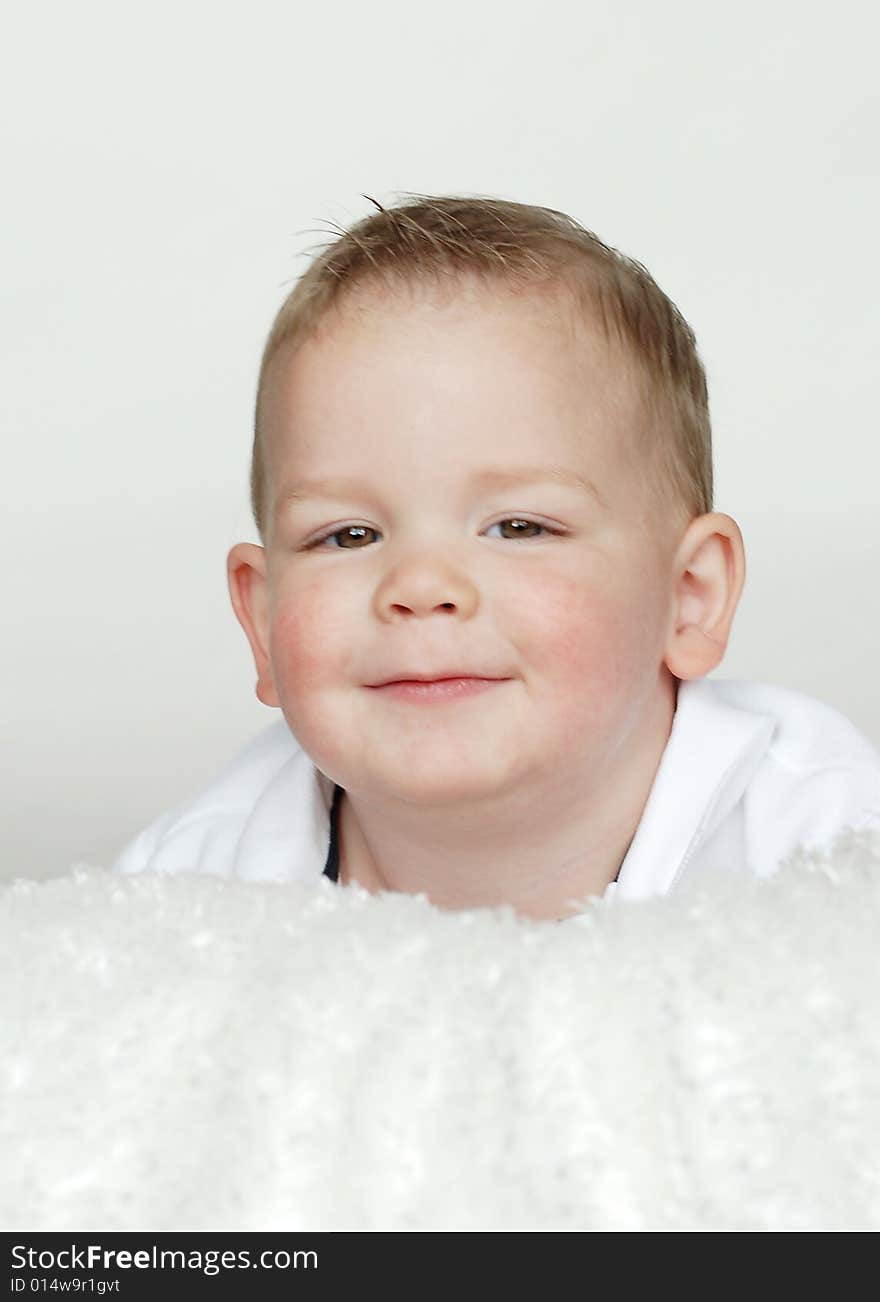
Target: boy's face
x=415, y=403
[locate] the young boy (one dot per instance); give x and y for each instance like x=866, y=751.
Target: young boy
x=490, y=588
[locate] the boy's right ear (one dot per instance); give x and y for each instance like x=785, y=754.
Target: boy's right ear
x=248, y=589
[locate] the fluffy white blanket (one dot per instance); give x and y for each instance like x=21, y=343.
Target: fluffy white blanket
x=193, y=1054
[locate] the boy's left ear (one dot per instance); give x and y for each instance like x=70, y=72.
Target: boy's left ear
x=709, y=572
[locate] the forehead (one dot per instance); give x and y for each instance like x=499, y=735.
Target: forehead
x=437, y=320
x=447, y=380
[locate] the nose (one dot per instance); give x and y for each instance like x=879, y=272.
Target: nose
x=422, y=586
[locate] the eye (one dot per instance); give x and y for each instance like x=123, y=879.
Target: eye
x=353, y=534
x=351, y=531
x=518, y=532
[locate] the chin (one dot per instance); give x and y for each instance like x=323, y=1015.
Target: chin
x=448, y=784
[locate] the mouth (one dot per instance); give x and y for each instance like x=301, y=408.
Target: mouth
x=440, y=676
x=437, y=689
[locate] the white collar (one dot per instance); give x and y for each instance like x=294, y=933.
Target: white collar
x=712, y=751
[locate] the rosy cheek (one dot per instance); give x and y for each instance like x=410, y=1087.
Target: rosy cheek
x=304, y=637
x=579, y=634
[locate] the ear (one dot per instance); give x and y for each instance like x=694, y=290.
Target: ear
x=709, y=571
x=248, y=588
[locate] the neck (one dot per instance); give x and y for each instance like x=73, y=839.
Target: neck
x=543, y=855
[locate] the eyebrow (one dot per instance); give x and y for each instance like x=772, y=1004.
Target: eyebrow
x=491, y=477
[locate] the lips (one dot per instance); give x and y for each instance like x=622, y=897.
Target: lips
x=437, y=691
x=437, y=676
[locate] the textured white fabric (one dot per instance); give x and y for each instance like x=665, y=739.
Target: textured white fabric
x=750, y=771
x=191, y=1053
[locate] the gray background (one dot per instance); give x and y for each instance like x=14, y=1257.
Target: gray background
x=166, y=167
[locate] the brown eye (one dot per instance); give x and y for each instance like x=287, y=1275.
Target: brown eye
x=352, y=533
x=520, y=527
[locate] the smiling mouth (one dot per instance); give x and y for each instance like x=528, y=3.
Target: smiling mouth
x=453, y=678
x=438, y=689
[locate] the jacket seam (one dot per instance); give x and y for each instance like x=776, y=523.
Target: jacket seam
x=844, y=766
x=189, y=820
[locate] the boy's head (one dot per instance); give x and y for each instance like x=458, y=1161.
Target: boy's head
x=450, y=244
x=436, y=358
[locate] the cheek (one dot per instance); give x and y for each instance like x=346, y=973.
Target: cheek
x=578, y=633
x=308, y=638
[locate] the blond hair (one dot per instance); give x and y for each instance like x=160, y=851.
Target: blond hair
x=442, y=239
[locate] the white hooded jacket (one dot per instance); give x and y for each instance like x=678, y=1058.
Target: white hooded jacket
x=750, y=772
